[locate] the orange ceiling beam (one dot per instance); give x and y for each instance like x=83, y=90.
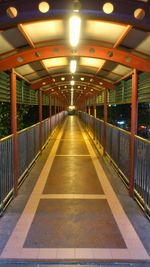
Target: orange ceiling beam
x=113, y=54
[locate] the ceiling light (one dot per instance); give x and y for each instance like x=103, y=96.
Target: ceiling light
x=63, y=78
x=74, y=30
x=139, y=13
x=11, y=12
x=73, y=66
x=101, y=83
x=85, y=88
x=43, y=83
x=44, y=7
x=72, y=82
x=65, y=86
x=82, y=78
x=78, y=86
x=72, y=89
x=108, y=8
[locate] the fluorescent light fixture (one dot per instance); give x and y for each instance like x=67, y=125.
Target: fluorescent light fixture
x=74, y=30
x=72, y=83
x=73, y=66
x=71, y=98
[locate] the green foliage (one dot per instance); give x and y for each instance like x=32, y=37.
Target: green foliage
x=22, y=111
x=5, y=123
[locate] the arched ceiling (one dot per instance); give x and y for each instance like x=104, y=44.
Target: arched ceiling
x=37, y=44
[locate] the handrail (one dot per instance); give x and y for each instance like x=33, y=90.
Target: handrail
x=28, y=150
x=118, y=150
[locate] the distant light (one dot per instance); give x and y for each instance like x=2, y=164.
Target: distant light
x=43, y=83
x=12, y=12
x=72, y=89
x=71, y=107
x=82, y=78
x=73, y=66
x=101, y=83
x=121, y=122
x=63, y=78
x=74, y=30
x=78, y=86
x=108, y=8
x=72, y=82
x=44, y=7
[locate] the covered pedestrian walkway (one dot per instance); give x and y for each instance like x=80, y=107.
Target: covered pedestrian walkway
x=61, y=196
x=73, y=213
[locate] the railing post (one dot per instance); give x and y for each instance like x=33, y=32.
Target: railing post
x=14, y=131
x=40, y=117
x=50, y=112
x=134, y=112
x=105, y=122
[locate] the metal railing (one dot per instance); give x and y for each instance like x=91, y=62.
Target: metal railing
x=118, y=150
x=28, y=151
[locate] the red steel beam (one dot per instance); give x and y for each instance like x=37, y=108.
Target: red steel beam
x=14, y=131
x=105, y=121
x=134, y=112
x=50, y=112
x=40, y=53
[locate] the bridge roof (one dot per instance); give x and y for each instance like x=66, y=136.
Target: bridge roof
x=36, y=44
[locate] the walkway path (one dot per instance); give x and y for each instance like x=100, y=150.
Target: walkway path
x=73, y=212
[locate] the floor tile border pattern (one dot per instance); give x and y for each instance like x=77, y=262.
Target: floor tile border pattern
x=14, y=247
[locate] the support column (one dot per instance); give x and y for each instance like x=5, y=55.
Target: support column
x=55, y=111
x=134, y=112
x=40, y=117
x=58, y=110
x=89, y=111
x=105, y=121
x=50, y=112
x=94, y=107
x=14, y=131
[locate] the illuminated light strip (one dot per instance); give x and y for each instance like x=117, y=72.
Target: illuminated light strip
x=74, y=30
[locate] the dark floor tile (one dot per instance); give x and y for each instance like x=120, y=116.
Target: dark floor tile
x=72, y=147
x=73, y=224
x=73, y=175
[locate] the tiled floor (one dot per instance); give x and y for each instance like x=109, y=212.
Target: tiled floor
x=73, y=212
